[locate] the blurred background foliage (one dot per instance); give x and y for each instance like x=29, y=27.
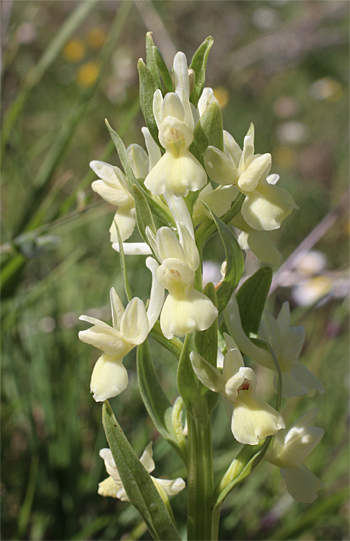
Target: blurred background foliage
x=65, y=67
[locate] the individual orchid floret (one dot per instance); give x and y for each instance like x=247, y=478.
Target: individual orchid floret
x=112, y=187
x=130, y=328
x=178, y=171
x=185, y=309
x=265, y=205
x=288, y=451
x=142, y=162
x=113, y=486
x=252, y=418
x=286, y=343
x=218, y=200
x=258, y=242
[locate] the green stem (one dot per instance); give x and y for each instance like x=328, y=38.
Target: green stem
x=215, y=522
x=200, y=477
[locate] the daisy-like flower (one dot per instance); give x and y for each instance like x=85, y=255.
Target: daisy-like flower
x=252, y=418
x=265, y=205
x=185, y=309
x=130, y=328
x=290, y=449
x=113, y=486
x=286, y=343
x=178, y=171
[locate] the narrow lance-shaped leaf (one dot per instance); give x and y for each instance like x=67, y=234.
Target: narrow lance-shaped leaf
x=251, y=298
x=137, y=482
x=123, y=265
x=163, y=69
x=199, y=64
x=208, y=131
x=207, y=228
x=144, y=216
x=234, y=262
x=151, y=60
x=123, y=155
x=148, y=86
x=155, y=400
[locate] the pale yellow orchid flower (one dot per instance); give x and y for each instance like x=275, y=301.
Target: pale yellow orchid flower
x=130, y=328
x=112, y=187
x=113, y=486
x=286, y=343
x=289, y=450
x=252, y=418
x=178, y=171
x=185, y=309
x=265, y=205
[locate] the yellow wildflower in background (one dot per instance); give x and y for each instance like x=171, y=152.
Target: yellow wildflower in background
x=222, y=95
x=96, y=37
x=88, y=74
x=74, y=50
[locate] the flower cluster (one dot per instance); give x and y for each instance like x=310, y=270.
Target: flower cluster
x=173, y=178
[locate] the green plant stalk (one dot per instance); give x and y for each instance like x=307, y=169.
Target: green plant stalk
x=200, y=480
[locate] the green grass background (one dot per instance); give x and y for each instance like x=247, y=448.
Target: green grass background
x=57, y=262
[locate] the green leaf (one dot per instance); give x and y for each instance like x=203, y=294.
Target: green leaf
x=199, y=64
x=207, y=228
x=137, y=482
x=151, y=60
x=196, y=397
x=155, y=400
x=251, y=298
x=144, y=215
x=208, y=131
x=148, y=86
x=234, y=262
x=174, y=345
x=123, y=155
x=245, y=462
x=163, y=69
x=123, y=265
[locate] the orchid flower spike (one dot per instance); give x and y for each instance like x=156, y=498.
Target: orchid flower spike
x=288, y=451
x=286, y=343
x=252, y=418
x=177, y=171
x=185, y=309
x=113, y=486
x=112, y=187
x=130, y=328
x=265, y=205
